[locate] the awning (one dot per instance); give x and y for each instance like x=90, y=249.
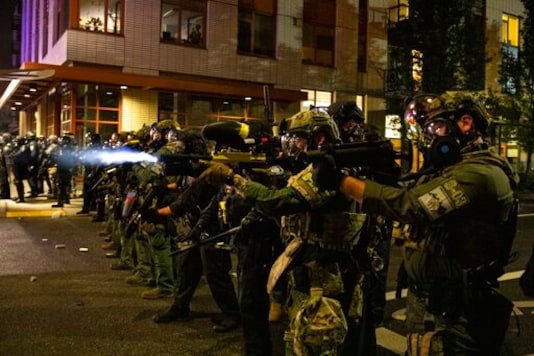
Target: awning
x=225, y=88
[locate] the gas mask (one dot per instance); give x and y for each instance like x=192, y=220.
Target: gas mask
x=439, y=140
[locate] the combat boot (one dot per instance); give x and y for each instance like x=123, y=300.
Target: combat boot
x=120, y=266
x=156, y=293
x=137, y=280
x=110, y=246
x=173, y=313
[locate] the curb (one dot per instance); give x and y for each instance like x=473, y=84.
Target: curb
x=39, y=207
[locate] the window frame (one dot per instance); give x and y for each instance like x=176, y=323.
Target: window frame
x=97, y=121
x=101, y=24
x=184, y=23
x=315, y=23
x=251, y=12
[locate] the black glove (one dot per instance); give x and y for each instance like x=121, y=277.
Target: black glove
x=194, y=234
x=326, y=175
x=160, y=186
x=151, y=215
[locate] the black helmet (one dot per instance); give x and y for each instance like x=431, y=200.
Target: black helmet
x=342, y=112
x=194, y=142
x=67, y=140
x=93, y=139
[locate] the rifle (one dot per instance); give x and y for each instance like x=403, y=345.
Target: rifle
x=133, y=216
x=103, y=177
x=376, y=156
x=206, y=239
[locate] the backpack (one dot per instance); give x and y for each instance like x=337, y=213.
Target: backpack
x=526, y=282
x=320, y=326
x=508, y=231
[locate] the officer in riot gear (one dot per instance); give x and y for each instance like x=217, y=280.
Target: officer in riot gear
x=199, y=203
x=157, y=231
x=319, y=229
x=34, y=148
x=21, y=160
x=460, y=217
x=66, y=162
x=5, y=147
x=91, y=171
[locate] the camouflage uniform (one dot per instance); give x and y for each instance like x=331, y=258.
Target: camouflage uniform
x=456, y=222
x=322, y=227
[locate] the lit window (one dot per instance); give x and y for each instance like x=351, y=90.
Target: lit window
x=183, y=21
x=398, y=10
x=510, y=43
x=256, y=27
x=101, y=15
x=510, y=30
x=321, y=99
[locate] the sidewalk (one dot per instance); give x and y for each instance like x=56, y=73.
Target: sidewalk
x=38, y=207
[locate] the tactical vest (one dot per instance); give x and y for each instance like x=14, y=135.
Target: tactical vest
x=325, y=223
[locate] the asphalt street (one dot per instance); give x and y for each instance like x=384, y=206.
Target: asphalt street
x=56, y=299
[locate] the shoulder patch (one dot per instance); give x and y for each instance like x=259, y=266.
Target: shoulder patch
x=443, y=199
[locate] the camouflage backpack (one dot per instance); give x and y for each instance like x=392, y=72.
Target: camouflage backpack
x=319, y=326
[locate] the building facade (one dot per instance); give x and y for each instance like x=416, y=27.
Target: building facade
x=109, y=66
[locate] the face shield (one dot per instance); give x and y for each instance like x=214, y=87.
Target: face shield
x=417, y=112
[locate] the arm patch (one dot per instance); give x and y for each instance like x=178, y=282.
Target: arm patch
x=443, y=199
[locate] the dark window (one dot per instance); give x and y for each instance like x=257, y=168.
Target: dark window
x=61, y=19
x=318, y=32
x=256, y=27
x=183, y=22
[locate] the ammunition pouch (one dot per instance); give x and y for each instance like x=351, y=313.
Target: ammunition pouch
x=427, y=344
x=444, y=298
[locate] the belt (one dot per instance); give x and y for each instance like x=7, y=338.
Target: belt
x=313, y=239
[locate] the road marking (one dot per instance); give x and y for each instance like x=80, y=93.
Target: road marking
x=391, y=295
x=518, y=304
x=525, y=215
x=391, y=340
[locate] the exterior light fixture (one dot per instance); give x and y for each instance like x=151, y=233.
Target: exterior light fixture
x=18, y=103
x=248, y=98
x=124, y=87
x=27, y=95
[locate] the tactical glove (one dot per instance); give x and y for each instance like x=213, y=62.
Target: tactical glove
x=217, y=173
x=326, y=175
x=160, y=186
x=151, y=215
x=194, y=234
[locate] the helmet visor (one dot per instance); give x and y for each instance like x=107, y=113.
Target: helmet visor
x=437, y=127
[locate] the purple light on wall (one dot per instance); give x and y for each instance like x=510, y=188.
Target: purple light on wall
x=25, y=32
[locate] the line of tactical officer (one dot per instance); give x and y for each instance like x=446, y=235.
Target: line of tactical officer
x=37, y=163
x=314, y=237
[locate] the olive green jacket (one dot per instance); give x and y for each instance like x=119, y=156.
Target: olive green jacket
x=455, y=216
